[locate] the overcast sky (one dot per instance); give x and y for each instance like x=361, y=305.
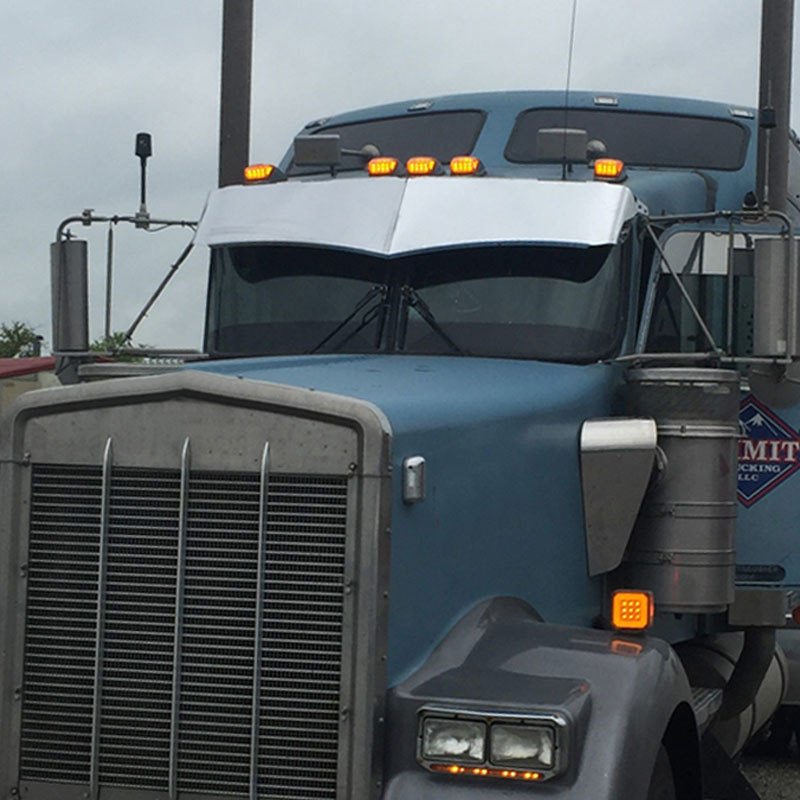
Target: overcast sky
x=81, y=77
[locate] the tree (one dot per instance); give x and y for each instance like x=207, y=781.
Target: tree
x=117, y=345
x=18, y=339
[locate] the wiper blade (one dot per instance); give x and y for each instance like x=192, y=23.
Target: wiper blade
x=413, y=300
x=378, y=308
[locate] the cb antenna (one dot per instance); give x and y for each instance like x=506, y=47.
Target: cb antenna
x=566, y=88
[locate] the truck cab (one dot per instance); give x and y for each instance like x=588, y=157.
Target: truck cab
x=452, y=506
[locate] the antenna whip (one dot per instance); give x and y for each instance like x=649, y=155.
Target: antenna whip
x=566, y=88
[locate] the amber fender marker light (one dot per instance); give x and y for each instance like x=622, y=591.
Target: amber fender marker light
x=609, y=169
x=632, y=609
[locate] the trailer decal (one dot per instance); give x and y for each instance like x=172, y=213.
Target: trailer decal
x=769, y=451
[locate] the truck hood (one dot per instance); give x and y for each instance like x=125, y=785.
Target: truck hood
x=503, y=512
x=418, y=393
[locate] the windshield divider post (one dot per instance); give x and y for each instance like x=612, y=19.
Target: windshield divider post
x=649, y=302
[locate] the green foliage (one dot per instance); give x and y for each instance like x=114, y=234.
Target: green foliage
x=117, y=346
x=18, y=339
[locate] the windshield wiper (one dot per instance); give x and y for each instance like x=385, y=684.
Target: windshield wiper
x=377, y=309
x=412, y=300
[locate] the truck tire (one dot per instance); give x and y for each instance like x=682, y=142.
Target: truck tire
x=662, y=784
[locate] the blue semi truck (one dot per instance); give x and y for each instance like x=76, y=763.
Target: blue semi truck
x=486, y=488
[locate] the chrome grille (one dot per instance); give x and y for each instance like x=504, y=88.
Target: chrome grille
x=176, y=685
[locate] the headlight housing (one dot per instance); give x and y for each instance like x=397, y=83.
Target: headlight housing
x=530, y=747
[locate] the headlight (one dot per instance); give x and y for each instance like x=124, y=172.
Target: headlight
x=453, y=740
x=530, y=747
x=522, y=746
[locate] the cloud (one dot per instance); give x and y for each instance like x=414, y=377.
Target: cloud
x=80, y=79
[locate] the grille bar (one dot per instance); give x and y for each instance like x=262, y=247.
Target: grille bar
x=102, y=576
x=180, y=578
x=263, y=513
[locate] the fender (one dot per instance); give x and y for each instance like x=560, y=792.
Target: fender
x=618, y=694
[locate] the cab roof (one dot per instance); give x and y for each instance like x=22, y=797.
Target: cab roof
x=709, y=188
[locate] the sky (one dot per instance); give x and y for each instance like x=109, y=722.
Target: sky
x=80, y=78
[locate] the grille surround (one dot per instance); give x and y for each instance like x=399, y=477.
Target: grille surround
x=149, y=419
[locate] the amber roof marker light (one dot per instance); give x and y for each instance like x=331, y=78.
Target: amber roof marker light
x=466, y=165
x=609, y=169
x=382, y=165
x=263, y=173
x=423, y=165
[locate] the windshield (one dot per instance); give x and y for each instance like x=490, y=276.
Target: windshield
x=514, y=301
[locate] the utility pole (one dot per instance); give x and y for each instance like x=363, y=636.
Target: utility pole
x=775, y=80
x=234, y=116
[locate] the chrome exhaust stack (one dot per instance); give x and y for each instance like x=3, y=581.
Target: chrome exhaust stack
x=682, y=546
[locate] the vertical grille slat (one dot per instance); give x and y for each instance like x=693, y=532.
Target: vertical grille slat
x=57, y=738
x=177, y=640
x=211, y=649
x=305, y=764
x=139, y=641
x=208, y=674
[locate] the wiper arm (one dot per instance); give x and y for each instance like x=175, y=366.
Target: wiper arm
x=381, y=291
x=413, y=300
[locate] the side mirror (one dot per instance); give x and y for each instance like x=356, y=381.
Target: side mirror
x=323, y=150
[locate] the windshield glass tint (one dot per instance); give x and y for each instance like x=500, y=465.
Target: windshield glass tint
x=550, y=303
x=663, y=140
x=270, y=300
x=442, y=135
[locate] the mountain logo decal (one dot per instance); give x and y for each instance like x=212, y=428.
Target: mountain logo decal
x=769, y=451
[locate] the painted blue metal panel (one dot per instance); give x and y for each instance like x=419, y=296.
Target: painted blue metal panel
x=503, y=513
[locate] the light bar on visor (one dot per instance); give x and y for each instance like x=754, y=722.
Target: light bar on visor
x=382, y=165
x=466, y=165
x=422, y=165
x=609, y=169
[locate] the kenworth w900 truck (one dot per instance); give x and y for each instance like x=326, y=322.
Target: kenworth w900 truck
x=487, y=489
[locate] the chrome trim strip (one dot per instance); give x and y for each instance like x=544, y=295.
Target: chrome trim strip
x=102, y=570
x=180, y=580
x=259, y=621
x=459, y=712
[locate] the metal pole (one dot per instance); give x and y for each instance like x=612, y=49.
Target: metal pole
x=775, y=78
x=234, y=117
x=109, y=271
